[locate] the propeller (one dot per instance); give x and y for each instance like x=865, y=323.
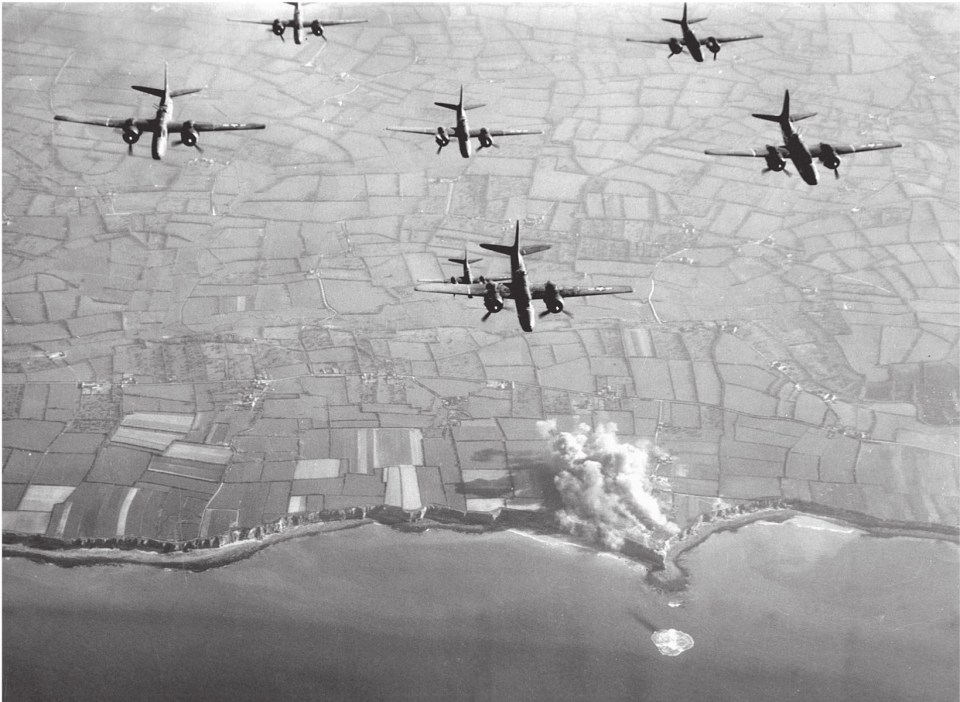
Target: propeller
x=270, y=31
x=129, y=149
x=836, y=173
x=485, y=317
x=564, y=310
x=196, y=146
x=784, y=171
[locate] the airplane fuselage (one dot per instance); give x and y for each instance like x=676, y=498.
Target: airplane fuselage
x=800, y=155
x=521, y=293
x=692, y=43
x=297, y=25
x=463, y=132
x=161, y=133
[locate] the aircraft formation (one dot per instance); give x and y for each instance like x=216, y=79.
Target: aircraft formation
x=516, y=287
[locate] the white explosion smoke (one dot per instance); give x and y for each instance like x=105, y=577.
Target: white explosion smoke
x=604, y=484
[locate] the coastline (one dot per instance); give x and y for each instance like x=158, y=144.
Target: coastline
x=674, y=576
x=665, y=570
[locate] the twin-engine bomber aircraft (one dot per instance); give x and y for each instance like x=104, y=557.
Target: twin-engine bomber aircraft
x=794, y=149
x=161, y=125
x=519, y=289
x=298, y=25
x=690, y=40
x=462, y=132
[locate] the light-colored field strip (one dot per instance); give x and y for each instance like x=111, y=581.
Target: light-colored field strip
x=361, y=466
x=393, y=494
x=416, y=447
x=42, y=498
x=195, y=452
x=298, y=503
x=125, y=510
x=409, y=488
x=62, y=524
x=311, y=468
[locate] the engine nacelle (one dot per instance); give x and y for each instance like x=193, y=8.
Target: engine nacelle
x=713, y=45
x=316, y=28
x=131, y=132
x=552, y=298
x=442, y=139
x=277, y=27
x=774, y=160
x=492, y=300
x=675, y=47
x=829, y=157
x=189, y=134
x=485, y=139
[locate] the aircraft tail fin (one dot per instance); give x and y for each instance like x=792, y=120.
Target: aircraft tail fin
x=450, y=105
x=503, y=248
x=457, y=106
x=156, y=92
x=785, y=117
x=684, y=19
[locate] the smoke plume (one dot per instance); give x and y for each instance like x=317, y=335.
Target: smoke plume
x=605, y=485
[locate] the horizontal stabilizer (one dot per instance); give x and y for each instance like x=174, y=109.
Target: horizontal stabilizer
x=769, y=118
x=461, y=261
x=780, y=118
x=156, y=92
x=499, y=248
x=448, y=105
x=185, y=91
x=536, y=248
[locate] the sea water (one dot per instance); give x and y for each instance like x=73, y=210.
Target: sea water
x=801, y=610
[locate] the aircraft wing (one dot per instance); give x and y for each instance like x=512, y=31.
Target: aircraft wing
x=476, y=289
x=539, y=291
x=432, y=132
x=759, y=153
x=727, y=40
x=855, y=148
x=505, y=132
x=212, y=127
x=652, y=41
x=447, y=281
x=287, y=23
x=334, y=23
x=142, y=124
